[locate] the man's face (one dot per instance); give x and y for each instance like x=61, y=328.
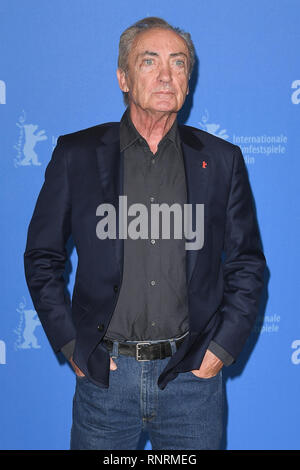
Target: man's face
x=158, y=71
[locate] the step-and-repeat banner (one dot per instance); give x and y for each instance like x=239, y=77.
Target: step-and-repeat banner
x=58, y=75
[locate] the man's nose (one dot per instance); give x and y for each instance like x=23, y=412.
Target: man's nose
x=165, y=74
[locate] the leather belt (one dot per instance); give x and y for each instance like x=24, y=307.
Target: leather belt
x=144, y=350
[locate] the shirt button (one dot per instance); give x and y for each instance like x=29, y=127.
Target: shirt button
x=152, y=283
x=152, y=241
x=152, y=199
x=153, y=323
x=153, y=160
x=100, y=327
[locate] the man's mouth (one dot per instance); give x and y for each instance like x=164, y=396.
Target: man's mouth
x=163, y=93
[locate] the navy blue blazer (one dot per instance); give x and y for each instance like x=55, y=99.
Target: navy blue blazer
x=224, y=278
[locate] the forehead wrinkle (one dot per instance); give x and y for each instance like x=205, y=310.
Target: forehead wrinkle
x=152, y=53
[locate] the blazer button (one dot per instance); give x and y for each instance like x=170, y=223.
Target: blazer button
x=116, y=288
x=100, y=327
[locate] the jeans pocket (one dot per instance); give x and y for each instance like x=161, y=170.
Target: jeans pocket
x=206, y=379
x=81, y=378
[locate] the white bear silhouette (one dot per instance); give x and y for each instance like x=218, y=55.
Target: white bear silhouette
x=31, y=322
x=30, y=141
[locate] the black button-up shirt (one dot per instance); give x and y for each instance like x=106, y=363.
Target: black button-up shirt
x=152, y=303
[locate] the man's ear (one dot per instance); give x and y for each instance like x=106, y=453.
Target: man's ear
x=121, y=75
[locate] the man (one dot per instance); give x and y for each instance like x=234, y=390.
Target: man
x=151, y=323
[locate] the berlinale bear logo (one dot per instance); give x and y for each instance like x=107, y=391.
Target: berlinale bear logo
x=28, y=138
x=26, y=328
x=211, y=127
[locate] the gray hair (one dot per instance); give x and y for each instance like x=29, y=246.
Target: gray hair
x=128, y=36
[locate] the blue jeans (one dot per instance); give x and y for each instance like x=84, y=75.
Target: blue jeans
x=187, y=414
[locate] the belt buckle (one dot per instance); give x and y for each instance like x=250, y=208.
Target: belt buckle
x=137, y=351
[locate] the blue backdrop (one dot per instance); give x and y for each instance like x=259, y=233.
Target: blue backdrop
x=58, y=75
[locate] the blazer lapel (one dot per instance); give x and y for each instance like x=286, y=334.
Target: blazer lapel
x=197, y=172
x=110, y=163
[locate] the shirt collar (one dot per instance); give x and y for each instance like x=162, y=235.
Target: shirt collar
x=129, y=134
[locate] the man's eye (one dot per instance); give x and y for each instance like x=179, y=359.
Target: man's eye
x=179, y=62
x=148, y=61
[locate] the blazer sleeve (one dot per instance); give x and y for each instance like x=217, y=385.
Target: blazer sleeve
x=45, y=253
x=243, y=266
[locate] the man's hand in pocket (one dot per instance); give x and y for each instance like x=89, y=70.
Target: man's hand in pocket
x=113, y=366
